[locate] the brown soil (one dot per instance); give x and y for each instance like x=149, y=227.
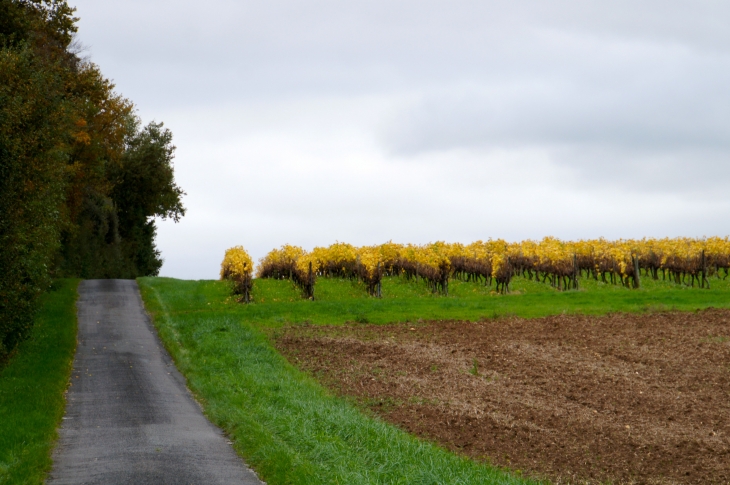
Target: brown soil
x=621, y=398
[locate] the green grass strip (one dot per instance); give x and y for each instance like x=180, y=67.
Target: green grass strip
x=287, y=426
x=32, y=388
x=278, y=303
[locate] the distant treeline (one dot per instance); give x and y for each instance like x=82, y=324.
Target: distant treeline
x=81, y=179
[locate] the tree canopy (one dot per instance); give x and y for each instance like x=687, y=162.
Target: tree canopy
x=81, y=179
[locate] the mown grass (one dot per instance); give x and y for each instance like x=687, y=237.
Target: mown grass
x=290, y=429
x=32, y=386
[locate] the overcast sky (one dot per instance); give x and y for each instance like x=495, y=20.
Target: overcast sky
x=364, y=121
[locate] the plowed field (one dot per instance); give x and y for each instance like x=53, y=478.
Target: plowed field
x=625, y=398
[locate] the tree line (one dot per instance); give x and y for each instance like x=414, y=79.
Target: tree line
x=81, y=178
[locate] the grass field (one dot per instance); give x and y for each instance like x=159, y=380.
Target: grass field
x=278, y=303
x=288, y=427
x=32, y=387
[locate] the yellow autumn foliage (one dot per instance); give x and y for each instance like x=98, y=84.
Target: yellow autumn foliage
x=237, y=264
x=551, y=259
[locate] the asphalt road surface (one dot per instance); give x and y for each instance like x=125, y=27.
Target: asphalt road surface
x=129, y=417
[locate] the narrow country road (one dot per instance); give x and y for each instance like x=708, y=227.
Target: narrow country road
x=129, y=417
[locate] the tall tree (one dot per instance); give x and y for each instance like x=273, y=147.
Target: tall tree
x=80, y=180
x=144, y=188
x=91, y=244
x=36, y=122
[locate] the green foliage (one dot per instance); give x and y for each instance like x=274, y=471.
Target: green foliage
x=33, y=124
x=474, y=368
x=70, y=150
x=32, y=388
x=45, y=22
x=144, y=186
x=289, y=429
x=113, y=230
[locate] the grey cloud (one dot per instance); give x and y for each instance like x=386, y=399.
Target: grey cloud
x=284, y=47
x=674, y=132
x=602, y=105
x=651, y=116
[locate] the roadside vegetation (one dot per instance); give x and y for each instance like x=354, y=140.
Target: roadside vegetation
x=81, y=179
x=292, y=430
x=32, y=385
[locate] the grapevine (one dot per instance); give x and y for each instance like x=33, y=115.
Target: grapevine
x=552, y=261
x=237, y=266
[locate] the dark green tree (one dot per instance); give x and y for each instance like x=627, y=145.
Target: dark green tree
x=80, y=182
x=35, y=124
x=144, y=188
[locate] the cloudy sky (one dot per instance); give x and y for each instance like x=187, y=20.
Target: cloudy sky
x=364, y=121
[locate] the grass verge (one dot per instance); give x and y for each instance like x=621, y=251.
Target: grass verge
x=32, y=388
x=288, y=427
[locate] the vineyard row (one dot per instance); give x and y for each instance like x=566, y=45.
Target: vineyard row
x=493, y=262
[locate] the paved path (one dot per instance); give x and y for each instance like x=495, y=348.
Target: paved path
x=129, y=417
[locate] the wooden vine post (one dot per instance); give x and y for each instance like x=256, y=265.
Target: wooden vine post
x=378, y=291
x=249, y=284
x=637, y=282
x=310, y=282
x=703, y=269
